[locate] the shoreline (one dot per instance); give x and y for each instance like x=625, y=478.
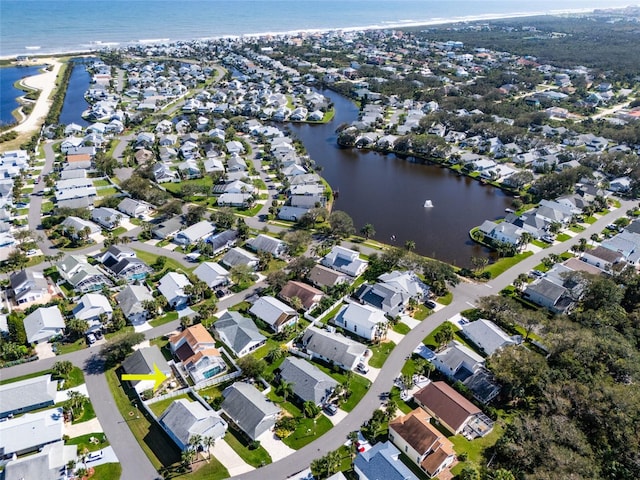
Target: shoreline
x=99, y=46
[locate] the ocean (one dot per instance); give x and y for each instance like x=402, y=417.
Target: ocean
x=30, y=27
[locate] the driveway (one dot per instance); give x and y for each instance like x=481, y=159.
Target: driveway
x=276, y=447
x=229, y=458
x=44, y=350
x=84, y=428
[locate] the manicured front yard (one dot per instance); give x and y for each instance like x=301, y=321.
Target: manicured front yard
x=358, y=385
x=83, y=442
x=159, y=407
x=257, y=457
x=506, y=263
x=401, y=328
x=166, y=318
x=563, y=237
x=380, y=353
x=421, y=312
x=171, y=264
x=108, y=471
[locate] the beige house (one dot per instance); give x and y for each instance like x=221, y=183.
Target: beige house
x=423, y=443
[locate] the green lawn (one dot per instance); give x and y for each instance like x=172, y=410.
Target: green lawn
x=119, y=231
x=75, y=378
x=177, y=187
x=506, y=263
x=563, y=237
x=108, y=471
x=576, y=228
x=257, y=457
x=83, y=442
x=446, y=299
x=401, y=328
x=171, y=264
x=475, y=448
x=159, y=407
x=380, y=354
x=430, y=341
x=359, y=385
x=591, y=220
x=47, y=207
x=308, y=431
x=87, y=414
x=101, y=183
x=107, y=192
x=540, y=244
x=421, y=312
x=64, y=348
x=166, y=318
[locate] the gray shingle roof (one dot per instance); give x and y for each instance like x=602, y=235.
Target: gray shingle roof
x=185, y=419
x=309, y=382
x=239, y=330
x=335, y=347
x=142, y=361
x=26, y=393
x=382, y=463
x=249, y=409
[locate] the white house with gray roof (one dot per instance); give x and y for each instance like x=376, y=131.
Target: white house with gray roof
x=265, y=243
x=30, y=432
x=248, y=408
x=363, y=320
x=43, y=324
x=28, y=286
x=131, y=301
x=333, y=348
x=26, y=395
x=309, y=382
x=239, y=256
x=239, y=333
x=345, y=261
x=488, y=336
x=274, y=313
x=143, y=361
x=48, y=464
x=184, y=419
x=194, y=233
x=172, y=286
x=458, y=361
x=212, y=273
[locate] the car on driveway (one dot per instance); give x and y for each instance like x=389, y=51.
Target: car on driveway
x=330, y=409
x=430, y=303
x=362, y=368
x=91, y=339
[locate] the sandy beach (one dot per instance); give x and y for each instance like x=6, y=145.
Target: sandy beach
x=46, y=83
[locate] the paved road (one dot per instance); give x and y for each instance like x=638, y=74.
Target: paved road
x=35, y=201
x=465, y=294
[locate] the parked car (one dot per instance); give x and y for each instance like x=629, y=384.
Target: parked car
x=362, y=368
x=330, y=409
x=537, y=273
x=430, y=303
x=91, y=339
x=93, y=456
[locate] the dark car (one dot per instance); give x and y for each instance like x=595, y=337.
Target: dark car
x=430, y=303
x=219, y=293
x=330, y=409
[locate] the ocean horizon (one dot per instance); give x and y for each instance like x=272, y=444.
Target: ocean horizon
x=40, y=27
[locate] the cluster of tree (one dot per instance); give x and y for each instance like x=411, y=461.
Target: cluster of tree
x=578, y=408
x=556, y=184
x=58, y=98
x=119, y=347
x=141, y=188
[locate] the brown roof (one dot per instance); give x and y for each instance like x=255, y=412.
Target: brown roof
x=79, y=157
x=416, y=430
x=184, y=351
x=306, y=293
x=441, y=452
x=446, y=404
x=605, y=254
x=195, y=336
x=580, y=266
x=213, y=352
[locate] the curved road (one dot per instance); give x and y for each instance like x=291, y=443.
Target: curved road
x=135, y=463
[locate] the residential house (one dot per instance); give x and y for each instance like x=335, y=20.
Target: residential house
x=406, y=282
x=223, y=241
x=144, y=361
x=239, y=333
x=249, y=409
x=382, y=461
x=363, y=320
x=194, y=233
x=131, y=301
x=134, y=208
x=388, y=298
x=80, y=274
x=274, y=313
x=26, y=395
x=309, y=296
x=333, y=348
x=109, y=218
x=167, y=228
x=502, y=232
x=602, y=258
x=162, y=173
x=265, y=243
x=30, y=432
x=212, y=273
x=550, y=294
x=452, y=410
x=195, y=348
x=92, y=307
x=29, y=287
x=628, y=244
x=488, y=336
x=74, y=225
x=310, y=384
x=50, y=463
x=345, y=261
x=457, y=361
x=423, y=443
x=326, y=277
x=184, y=419
x=239, y=256
x=172, y=287
x=131, y=269
x=43, y=324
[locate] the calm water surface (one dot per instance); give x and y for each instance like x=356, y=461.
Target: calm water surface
x=8, y=93
x=389, y=193
x=74, y=102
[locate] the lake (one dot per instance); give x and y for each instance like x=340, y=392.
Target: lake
x=390, y=193
x=74, y=102
x=8, y=93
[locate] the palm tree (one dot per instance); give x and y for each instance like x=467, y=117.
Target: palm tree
x=195, y=441
x=367, y=231
x=353, y=447
x=187, y=457
x=410, y=245
x=286, y=389
x=209, y=443
x=390, y=409
x=333, y=462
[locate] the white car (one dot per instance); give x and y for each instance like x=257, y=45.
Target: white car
x=362, y=368
x=93, y=456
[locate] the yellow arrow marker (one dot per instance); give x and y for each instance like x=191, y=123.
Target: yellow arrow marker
x=157, y=376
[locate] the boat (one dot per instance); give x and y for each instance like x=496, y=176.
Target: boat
x=35, y=47
x=428, y=204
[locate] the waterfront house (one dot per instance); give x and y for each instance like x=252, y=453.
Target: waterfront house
x=249, y=409
x=345, y=261
x=310, y=384
x=185, y=419
x=333, y=348
x=43, y=324
x=239, y=333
